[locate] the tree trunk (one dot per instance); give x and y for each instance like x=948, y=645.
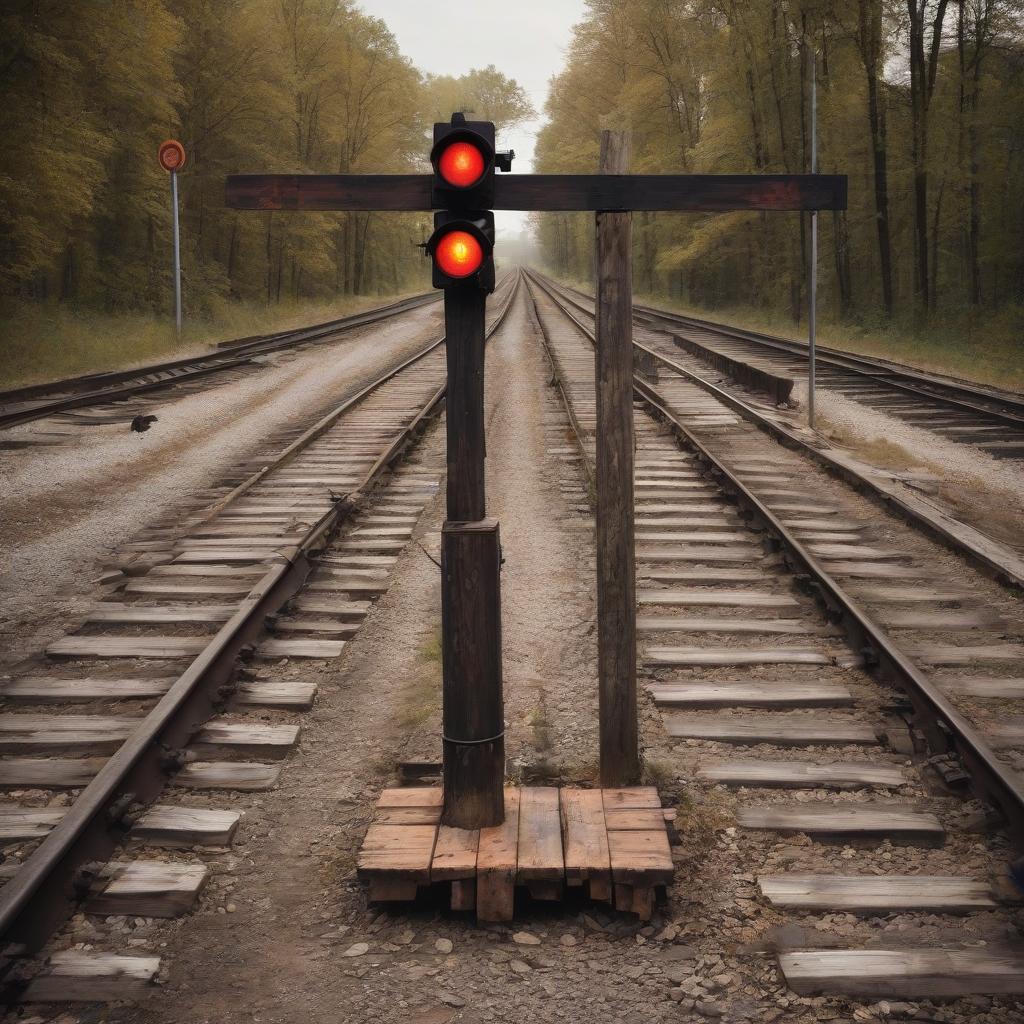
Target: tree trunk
x=870, y=40
x=923, y=66
x=67, y=274
x=270, y=257
x=841, y=253
x=937, y=220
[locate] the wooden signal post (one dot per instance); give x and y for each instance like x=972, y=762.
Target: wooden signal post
x=473, y=753
x=474, y=746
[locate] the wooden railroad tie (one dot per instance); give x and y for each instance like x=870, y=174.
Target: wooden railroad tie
x=611, y=843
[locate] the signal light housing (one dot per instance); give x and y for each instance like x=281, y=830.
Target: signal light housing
x=464, y=160
x=462, y=250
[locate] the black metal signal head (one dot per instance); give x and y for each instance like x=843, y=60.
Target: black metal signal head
x=462, y=249
x=464, y=160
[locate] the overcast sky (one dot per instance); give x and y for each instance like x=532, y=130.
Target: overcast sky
x=525, y=39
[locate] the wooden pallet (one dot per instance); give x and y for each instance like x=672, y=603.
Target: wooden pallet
x=611, y=842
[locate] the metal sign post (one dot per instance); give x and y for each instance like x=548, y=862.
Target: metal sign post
x=171, y=155
x=177, y=255
x=812, y=301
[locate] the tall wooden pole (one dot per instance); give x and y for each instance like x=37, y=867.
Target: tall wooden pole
x=616, y=580
x=464, y=309
x=812, y=290
x=473, y=714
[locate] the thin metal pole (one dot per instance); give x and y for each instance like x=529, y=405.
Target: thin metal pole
x=812, y=310
x=177, y=255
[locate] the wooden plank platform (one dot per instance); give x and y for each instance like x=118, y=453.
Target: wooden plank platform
x=541, y=866
x=641, y=858
x=585, y=841
x=613, y=841
x=496, y=861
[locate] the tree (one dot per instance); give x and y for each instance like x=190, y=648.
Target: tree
x=925, y=19
x=872, y=54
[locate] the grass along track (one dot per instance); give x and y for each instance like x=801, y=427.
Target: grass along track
x=106, y=391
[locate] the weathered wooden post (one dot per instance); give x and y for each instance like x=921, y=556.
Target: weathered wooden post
x=473, y=730
x=473, y=754
x=616, y=580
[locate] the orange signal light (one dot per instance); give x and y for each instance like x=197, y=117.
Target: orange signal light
x=461, y=164
x=458, y=254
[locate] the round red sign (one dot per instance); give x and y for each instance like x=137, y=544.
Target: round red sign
x=171, y=155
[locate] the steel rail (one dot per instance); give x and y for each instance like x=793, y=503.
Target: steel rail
x=120, y=384
x=965, y=395
x=990, y=778
x=880, y=371
x=47, y=885
x=589, y=471
x=998, y=561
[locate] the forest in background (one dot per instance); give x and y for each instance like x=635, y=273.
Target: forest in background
x=920, y=103
x=308, y=86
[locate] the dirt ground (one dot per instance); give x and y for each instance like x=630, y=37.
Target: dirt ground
x=64, y=508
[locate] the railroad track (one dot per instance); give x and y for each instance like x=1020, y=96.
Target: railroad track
x=986, y=418
x=783, y=425
x=107, y=393
x=816, y=670
x=283, y=564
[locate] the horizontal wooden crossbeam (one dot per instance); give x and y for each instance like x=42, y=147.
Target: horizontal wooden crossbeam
x=563, y=192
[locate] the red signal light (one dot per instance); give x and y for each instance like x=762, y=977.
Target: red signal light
x=461, y=164
x=458, y=254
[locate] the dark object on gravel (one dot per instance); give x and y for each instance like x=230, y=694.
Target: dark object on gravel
x=142, y=423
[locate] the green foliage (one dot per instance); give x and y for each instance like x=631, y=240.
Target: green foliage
x=708, y=86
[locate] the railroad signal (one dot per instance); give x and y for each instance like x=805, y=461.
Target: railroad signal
x=464, y=161
x=464, y=187
x=463, y=250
